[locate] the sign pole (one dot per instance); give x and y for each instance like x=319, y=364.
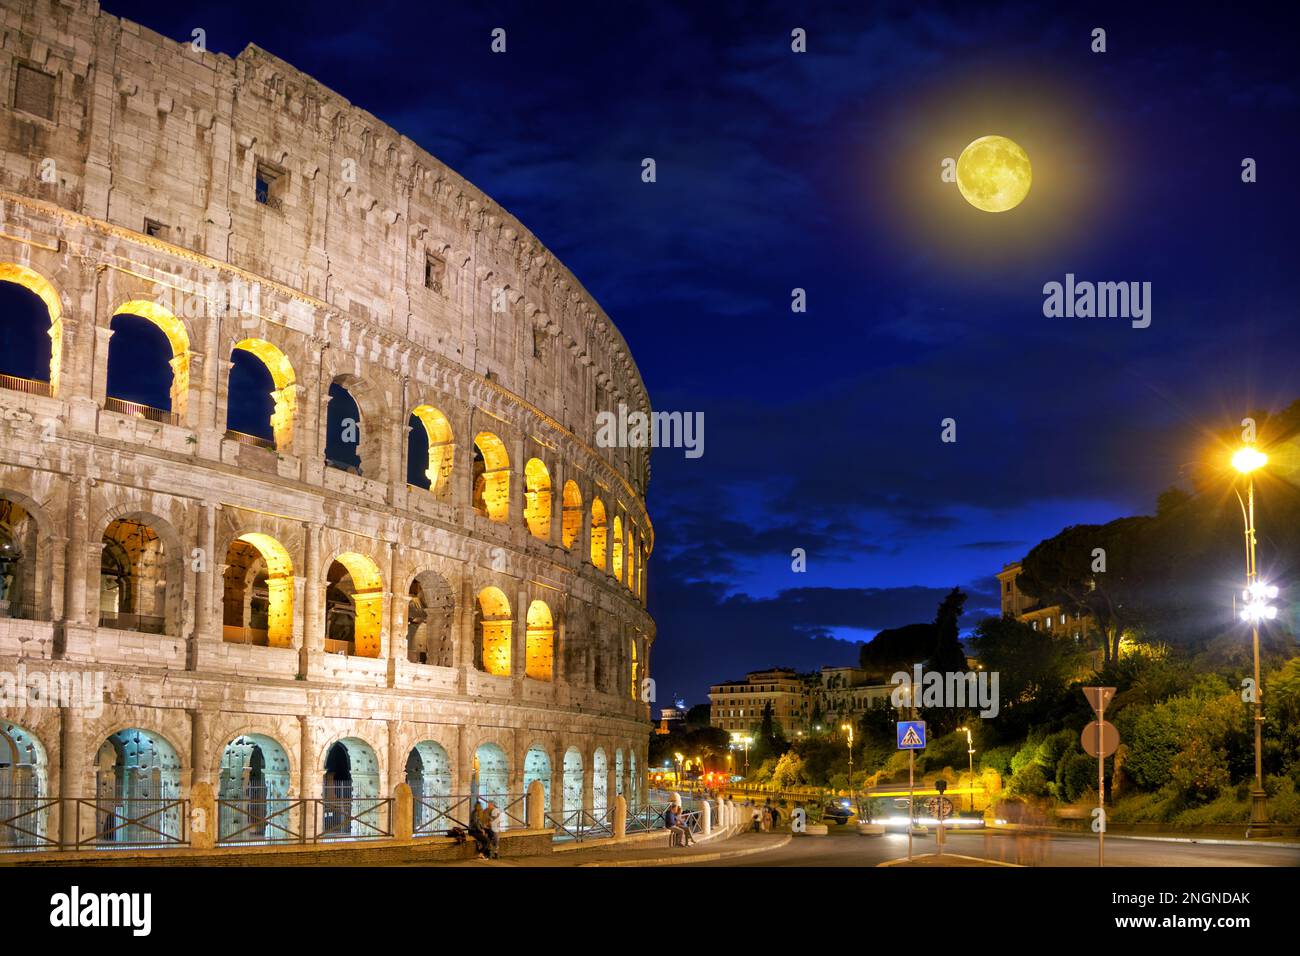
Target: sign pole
x=911, y=797
x=1101, y=780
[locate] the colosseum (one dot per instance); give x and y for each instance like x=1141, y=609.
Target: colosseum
x=364, y=536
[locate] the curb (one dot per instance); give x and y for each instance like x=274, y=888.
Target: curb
x=903, y=861
x=1209, y=841
x=686, y=860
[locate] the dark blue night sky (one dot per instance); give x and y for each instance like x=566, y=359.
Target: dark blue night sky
x=821, y=171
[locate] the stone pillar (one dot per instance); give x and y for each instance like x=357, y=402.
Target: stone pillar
x=397, y=642
x=72, y=768
x=313, y=599
x=396, y=765
x=205, y=580
x=519, y=634
x=99, y=378
x=620, y=817
x=76, y=587
x=203, y=816
x=403, y=812
x=555, y=534
x=536, y=806
x=465, y=636
x=200, y=759
x=309, y=778
x=706, y=817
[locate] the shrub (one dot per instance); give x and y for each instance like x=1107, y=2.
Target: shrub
x=1075, y=775
x=1029, y=781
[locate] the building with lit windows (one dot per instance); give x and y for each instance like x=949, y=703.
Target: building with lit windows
x=1051, y=619
x=414, y=566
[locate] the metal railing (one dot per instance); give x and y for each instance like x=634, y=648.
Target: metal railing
x=434, y=816
x=253, y=440
x=579, y=825
x=28, y=385
x=136, y=410
x=352, y=818
x=25, y=822
x=139, y=823
x=145, y=623
x=260, y=821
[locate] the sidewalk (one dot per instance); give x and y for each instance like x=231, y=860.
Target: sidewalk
x=655, y=853
x=1166, y=836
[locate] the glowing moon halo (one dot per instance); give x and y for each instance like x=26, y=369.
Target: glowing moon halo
x=993, y=174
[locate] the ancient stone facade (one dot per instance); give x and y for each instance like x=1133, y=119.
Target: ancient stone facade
x=242, y=593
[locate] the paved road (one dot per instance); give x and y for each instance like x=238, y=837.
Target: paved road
x=844, y=847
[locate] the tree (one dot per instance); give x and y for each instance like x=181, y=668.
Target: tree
x=789, y=771
x=1034, y=668
x=947, y=655
x=897, y=648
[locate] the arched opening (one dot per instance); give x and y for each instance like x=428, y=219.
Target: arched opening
x=598, y=532
x=262, y=395
x=537, y=766
x=148, y=363
x=133, y=578
x=24, y=819
x=492, y=626
x=539, y=646
x=571, y=515
x=137, y=790
x=354, y=598
x=537, y=498
x=350, y=801
x=635, y=672
x=19, y=534
x=258, y=592
x=253, y=792
x=29, y=327
x=630, y=550
x=429, y=617
x=430, y=450
x=571, y=808
x=617, y=557
x=342, y=430
x=491, y=783
x=428, y=774
x=491, y=477
x=599, y=784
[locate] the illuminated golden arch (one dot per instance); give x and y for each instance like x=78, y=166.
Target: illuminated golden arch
x=285, y=395
x=491, y=489
x=36, y=283
x=494, y=625
x=279, y=587
x=571, y=515
x=539, y=645
x=631, y=559
x=437, y=428
x=598, y=533
x=618, y=548
x=635, y=688
x=177, y=338
x=537, y=498
x=367, y=599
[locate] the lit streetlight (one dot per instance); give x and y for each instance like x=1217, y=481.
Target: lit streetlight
x=970, y=753
x=849, y=729
x=1257, y=594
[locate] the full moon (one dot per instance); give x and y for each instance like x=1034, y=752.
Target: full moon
x=993, y=174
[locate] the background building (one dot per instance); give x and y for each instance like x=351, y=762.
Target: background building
x=1047, y=618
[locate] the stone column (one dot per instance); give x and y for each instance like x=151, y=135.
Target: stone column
x=200, y=728
x=396, y=765
x=75, y=585
x=519, y=636
x=398, y=649
x=72, y=767
x=313, y=624
x=309, y=779
x=556, y=532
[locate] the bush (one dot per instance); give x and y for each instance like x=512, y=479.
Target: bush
x=999, y=759
x=1029, y=781
x=1075, y=775
x=1198, y=772
x=1053, y=748
x=1024, y=757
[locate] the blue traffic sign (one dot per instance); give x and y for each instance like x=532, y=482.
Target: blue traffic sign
x=911, y=735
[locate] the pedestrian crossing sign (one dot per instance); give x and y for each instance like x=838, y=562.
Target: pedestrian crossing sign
x=911, y=735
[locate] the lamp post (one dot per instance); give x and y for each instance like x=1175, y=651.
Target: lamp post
x=970, y=754
x=849, y=728
x=1256, y=595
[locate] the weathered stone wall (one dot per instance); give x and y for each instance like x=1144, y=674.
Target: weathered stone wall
x=111, y=132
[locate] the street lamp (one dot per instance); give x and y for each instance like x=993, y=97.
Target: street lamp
x=1247, y=460
x=849, y=728
x=743, y=741
x=970, y=753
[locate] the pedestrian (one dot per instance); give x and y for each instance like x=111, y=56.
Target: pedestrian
x=478, y=826
x=685, y=825
x=493, y=817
